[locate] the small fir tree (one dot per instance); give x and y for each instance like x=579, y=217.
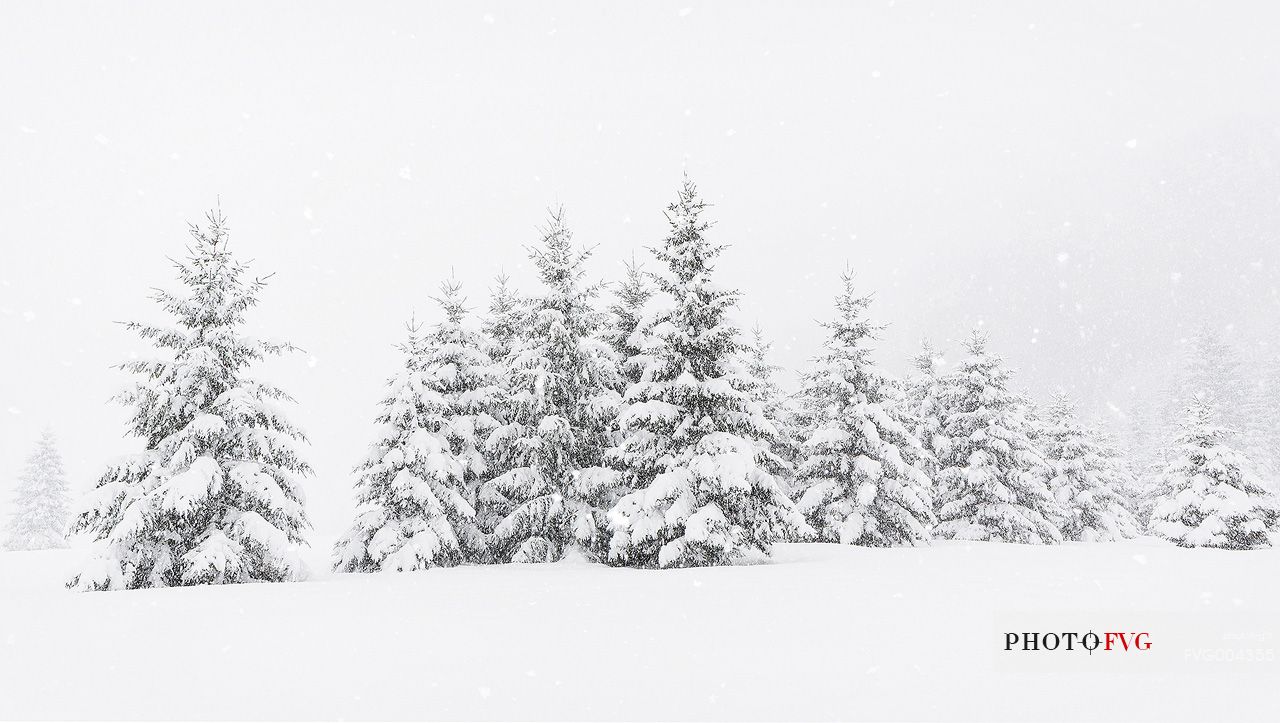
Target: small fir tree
x=417, y=487
x=923, y=403
x=862, y=465
x=1086, y=480
x=504, y=324
x=506, y=320
x=993, y=479
x=778, y=406
x=628, y=321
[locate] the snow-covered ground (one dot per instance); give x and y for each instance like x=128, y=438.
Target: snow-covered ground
x=824, y=632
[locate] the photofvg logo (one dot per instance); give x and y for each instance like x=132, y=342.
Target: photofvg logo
x=1089, y=642
x=1128, y=642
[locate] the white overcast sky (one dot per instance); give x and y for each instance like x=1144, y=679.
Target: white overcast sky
x=1088, y=181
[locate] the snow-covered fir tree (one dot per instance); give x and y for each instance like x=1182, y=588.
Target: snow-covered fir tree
x=695, y=445
x=560, y=401
x=215, y=496
x=502, y=326
x=505, y=321
x=1212, y=368
x=1130, y=483
x=993, y=479
x=418, y=485
x=923, y=403
x=778, y=406
x=1086, y=481
x=41, y=504
x=1208, y=493
x=628, y=322
x=861, y=465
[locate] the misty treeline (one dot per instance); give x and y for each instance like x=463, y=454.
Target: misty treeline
x=632, y=423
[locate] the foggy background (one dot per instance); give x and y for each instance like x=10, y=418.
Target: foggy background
x=1089, y=182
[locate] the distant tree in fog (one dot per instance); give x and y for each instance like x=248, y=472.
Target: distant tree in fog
x=40, y=502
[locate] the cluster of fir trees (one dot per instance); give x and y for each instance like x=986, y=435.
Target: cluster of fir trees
x=954, y=454
x=629, y=435
x=686, y=438
x=1001, y=468
x=645, y=431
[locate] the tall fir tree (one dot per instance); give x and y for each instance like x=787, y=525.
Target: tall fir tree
x=627, y=322
x=862, y=465
x=694, y=443
x=1087, y=482
x=216, y=494
x=418, y=485
x=560, y=399
x=41, y=504
x=1208, y=494
x=993, y=479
